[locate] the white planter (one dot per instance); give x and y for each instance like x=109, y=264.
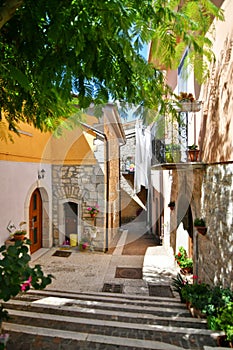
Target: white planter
x=186, y=106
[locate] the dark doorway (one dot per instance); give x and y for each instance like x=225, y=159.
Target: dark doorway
x=71, y=219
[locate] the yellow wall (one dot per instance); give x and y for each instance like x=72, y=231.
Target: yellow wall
x=32, y=145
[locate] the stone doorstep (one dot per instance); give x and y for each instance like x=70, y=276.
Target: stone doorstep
x=32, y=307
x=112, y=324
x=92, y=338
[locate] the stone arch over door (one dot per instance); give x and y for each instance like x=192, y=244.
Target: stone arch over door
x=184, y=234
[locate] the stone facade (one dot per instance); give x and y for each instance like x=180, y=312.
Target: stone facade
x=81, y=184
x=216, y=247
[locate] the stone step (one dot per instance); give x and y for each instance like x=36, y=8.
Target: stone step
x=122, y=316
x=159, y=309
x=37, y=338
x=192, y=338
x=115, y=297
x=56, y=320
x=162, y=306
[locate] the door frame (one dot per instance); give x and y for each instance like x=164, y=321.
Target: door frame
x=61, y=224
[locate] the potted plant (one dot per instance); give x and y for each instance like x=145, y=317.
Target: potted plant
x=187, y=102
x=20, y=234
x=184, y=262
x=224, y=322
x=171, y=205
x=84, y=244
x=93, y=210
x=178, y=284
x=199, y=224
x=193, y=153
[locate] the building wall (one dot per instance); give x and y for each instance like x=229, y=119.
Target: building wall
x=217, y=94
x=82, y=185
x=75, y=176
x=216, y=247
x=216, y=200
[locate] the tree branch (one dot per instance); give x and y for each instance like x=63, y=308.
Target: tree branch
x=8, y=10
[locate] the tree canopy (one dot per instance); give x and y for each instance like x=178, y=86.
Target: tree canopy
x=51, y=50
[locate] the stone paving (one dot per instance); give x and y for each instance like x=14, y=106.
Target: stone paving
x=88, y=271
x=165, y=322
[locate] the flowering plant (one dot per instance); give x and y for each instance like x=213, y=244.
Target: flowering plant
x=93, y=209
x=16, y=275
x=182, y=259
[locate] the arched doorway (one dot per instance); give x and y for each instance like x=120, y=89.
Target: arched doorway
x=71, y=218
x=35, y=221
x=184, y=235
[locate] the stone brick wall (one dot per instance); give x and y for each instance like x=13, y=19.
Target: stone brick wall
x=209, y=192
x=215, y=250
x=82, y=184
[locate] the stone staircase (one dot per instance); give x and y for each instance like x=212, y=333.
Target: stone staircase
x=67, y=320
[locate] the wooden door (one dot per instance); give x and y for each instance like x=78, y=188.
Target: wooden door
x=35, y=217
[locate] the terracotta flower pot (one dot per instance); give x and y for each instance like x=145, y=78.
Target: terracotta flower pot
x=193, y=155
x=19, y=237
x=202, y=230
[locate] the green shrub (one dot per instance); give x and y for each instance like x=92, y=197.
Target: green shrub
x=16, y=275
x=224, y=321
x=182, y=259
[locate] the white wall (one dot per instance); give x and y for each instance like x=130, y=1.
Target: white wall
x=18, y=180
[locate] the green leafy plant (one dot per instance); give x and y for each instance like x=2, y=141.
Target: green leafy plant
x=193, y=147
x=197, y=294
x=199, y=222
x=178, y=283
x=16, y=275
x=182, y=259
x=224, y=321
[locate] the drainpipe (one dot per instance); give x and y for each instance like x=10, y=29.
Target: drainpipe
x=104, y=137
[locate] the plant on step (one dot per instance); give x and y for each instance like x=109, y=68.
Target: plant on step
x=221, y=297
x=16, y=275
x=178, y=283
x=197, y=294
x=223, y=321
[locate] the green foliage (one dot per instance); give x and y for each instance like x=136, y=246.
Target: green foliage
x=93, y=48
x=223, y=320
x=193, y=147
x=199, y=222
x=178, y=284
x=198, y=294
x=171, y=37
x=15, y=273
x=182, y=259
